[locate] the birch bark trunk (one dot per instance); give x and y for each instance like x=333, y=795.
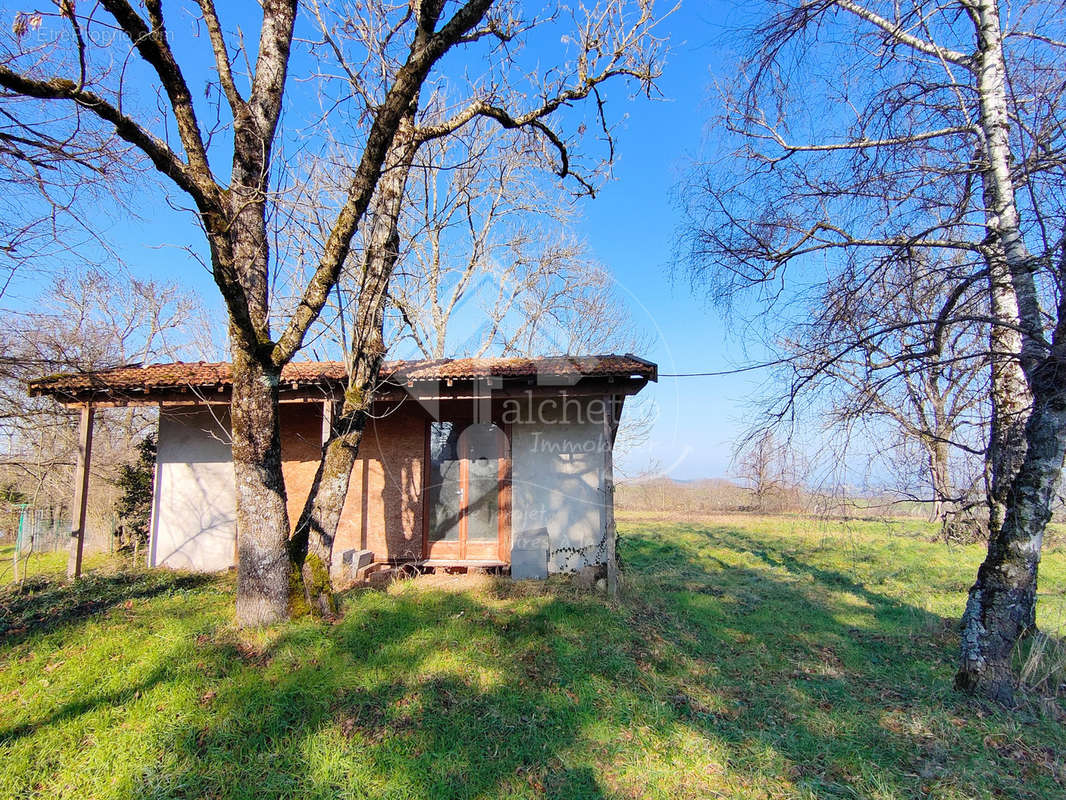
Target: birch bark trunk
x=1026, y=437
x=1015, y=341
x=1001, y=604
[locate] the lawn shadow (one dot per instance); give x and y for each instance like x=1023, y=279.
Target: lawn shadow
x=495, y=717
x=41, y=605
x=730, y=667
x=447, y=695
x=87, y=705
x=847, y=689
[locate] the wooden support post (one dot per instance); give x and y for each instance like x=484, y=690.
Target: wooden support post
x=328, y=411
x=608, y=495
x=81, y=493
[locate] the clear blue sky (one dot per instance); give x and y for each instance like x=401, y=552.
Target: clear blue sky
x=630, y=226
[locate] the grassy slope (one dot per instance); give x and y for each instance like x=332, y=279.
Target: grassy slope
x=52, y=564
x=751, y=658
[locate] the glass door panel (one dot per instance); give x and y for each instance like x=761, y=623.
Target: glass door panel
x=483, y=510
x=445, y=486
x=482, y=446
x=464, y=490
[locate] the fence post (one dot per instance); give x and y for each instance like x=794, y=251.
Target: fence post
x=18, y=538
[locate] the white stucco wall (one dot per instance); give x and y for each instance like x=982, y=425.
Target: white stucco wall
x=557, y=483
x=194, y=513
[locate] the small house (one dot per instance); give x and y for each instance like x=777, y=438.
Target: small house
x=466, y=462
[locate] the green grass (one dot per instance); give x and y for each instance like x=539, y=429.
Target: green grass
x=751, y=657
x=51, y=564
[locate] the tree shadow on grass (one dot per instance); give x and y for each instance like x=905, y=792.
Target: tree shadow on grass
x=379, y=708
x=778, y=677
x=41, y=605
x=447, y=696
x=851, y=687
x=84, y=705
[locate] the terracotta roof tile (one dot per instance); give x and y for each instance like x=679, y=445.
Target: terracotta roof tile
x=155, y=377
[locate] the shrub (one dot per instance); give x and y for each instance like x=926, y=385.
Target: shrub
x=134, y=506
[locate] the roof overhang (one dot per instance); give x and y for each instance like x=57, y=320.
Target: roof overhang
x=182, y=383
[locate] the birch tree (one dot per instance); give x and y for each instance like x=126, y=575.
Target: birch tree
x=866, y=130
x=219, y=150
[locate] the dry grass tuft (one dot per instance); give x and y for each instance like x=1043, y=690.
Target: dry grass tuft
x=1042, y=668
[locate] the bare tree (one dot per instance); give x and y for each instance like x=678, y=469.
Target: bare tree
x=861, y=357
x=373, y=62
x=866, y=131
x=54, y=168
x=633, y=55
x=234, y=211
x=485, y=239
x=84, y=322
x=772, y=471
x=472, y=232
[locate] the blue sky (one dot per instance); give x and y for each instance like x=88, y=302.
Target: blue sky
x=630, y=228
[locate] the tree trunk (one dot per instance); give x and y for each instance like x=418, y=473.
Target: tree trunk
x=1010, y=395
x=939, y=477
x=1002, y=219
x=1015, y=341
x=1001, y=605
x=263, y=566
x=1026, y=435
x=312, y=543
x=317, y=528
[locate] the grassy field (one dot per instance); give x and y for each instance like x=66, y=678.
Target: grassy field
x=750, y=657
x=51, y=564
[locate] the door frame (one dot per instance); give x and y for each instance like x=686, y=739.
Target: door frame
x=503, y=513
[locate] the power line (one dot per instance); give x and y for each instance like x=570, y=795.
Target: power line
x=748, y=368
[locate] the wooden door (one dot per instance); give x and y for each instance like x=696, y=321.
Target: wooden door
x=467, y=496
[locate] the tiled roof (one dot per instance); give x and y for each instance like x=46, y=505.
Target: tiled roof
x=179, y=374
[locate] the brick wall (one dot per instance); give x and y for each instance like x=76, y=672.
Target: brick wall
x=301, y=450
x=383, y=511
